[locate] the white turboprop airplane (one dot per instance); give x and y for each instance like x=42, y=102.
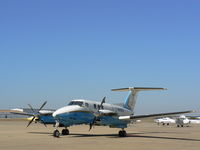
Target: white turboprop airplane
x=184, y=121
x=94, y=113
x=165, y=120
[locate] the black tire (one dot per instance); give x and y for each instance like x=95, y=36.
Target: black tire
x=65, y=132
x=122, y=133
x=181, y=125
x=177, y=125
x=56, y=133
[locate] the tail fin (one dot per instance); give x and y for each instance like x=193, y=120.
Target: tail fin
x=131, y=99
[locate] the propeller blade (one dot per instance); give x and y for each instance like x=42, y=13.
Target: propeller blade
x=44, y=124
x=42, y=121
x=103, y=101
x=92, y=123
x=95, y=118
x=31, y=121
x=101, y=105
x=42, y=105
x=31, y=108
x=90, y=127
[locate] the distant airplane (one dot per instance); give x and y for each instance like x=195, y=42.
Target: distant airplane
x=164, y=121
x=180, y=121
x=94, y=113
x=184, y=121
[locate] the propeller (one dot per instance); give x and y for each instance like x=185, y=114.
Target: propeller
x=98, y=113
x=101, y=105
x=36, y=114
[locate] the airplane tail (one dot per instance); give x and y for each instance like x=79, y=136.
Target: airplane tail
x=131, y=99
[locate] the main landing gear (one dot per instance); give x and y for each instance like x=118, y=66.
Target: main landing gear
x=65, y=131
x=122, y=133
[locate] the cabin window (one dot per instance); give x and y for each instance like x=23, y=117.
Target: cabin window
x=120, y=110
x=86, y=104
x=95, y=106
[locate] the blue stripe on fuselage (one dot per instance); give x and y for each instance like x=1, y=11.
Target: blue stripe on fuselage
x=76, y=118
x=47, y=119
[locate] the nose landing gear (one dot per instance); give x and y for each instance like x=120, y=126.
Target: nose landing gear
x=56, y=133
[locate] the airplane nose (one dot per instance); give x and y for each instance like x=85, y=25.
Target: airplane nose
x=58, y=112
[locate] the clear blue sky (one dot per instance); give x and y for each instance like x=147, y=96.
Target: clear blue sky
x=61, y=50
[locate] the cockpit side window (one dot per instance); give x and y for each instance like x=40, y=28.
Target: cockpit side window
x=71, y=103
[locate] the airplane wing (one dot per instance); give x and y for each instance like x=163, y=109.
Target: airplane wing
x=8, y=111
x=152, y=115
x=21, y=113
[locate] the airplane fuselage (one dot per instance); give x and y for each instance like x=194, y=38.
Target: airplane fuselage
x=84, y=111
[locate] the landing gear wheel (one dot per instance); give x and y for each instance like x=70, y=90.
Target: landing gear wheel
x=122, y=133
x=65, y=132
x=56, y=133
x=178, y=126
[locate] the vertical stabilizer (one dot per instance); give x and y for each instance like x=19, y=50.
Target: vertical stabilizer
x=131, y=99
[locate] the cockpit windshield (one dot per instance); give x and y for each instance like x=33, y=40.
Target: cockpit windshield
x=76, y=103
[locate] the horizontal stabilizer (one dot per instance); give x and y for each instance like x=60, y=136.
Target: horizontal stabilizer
x=138, y=89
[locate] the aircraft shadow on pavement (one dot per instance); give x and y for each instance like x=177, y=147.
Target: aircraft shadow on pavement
x=40, y=133
x=161, y=137
x=129, y=135
x=137, y=135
